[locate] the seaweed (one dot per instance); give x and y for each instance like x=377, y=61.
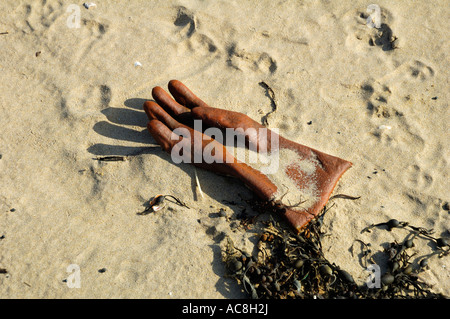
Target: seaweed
x=288, y=265
x=271, y=94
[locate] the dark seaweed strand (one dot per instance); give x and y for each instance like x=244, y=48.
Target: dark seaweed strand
x=271, y=94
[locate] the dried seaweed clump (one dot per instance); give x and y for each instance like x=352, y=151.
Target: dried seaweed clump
x=289, y=265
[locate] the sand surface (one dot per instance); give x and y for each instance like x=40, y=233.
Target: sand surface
x=70, y=93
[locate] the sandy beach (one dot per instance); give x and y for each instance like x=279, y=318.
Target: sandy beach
x=74, y=80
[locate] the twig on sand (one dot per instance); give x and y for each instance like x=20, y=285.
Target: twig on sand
x=158, y=203
x=111, y=158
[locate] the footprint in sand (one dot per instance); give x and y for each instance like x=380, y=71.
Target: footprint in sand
x=186, y=21
x=91, y=34
x=94, y=28
x=39, y=17
x=410, y=72
x=419, y=71
x=417, y=178
x=395, y=84
x=377, y=96
x=187, y=29
x=128, y=275
x=84, y=101
x=363, y=37
x=240, y=59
